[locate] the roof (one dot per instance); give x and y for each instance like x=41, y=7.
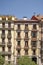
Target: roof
x=37, y=17
x=34, y=19
x=9, y=17
x=26, y=21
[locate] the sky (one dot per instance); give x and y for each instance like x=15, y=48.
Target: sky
x=21, y=8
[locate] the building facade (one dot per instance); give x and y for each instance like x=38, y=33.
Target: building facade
x=21, y=37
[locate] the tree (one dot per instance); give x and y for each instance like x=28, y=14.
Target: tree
x=8, y=64
x=1, y=60
x=25, y=60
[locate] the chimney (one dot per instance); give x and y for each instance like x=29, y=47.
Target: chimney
x=24, y=18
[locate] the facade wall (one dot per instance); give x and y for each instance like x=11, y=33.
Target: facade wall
x=14, y=50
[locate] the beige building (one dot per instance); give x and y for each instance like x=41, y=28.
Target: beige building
x=19, y=37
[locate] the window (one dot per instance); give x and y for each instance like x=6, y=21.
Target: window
x=34, y=43
x=34, y=59
x=34, y=52
x=34, y=26
x=18, y=34
x=18, y=43
x=3, y=48
x=3, y=41
x=9, y=62
x=18, y=26
x=3, y=34
x=3, y=25
x=26, y=26
x=3, y=56
x=26, y=34
x=34, y=34
x=9, y=32
x=9, y=49
x=3, y=31
x=9, y=41
x=9, y=24
x=9, y=57
x=26, y=52
x=9, y=18
x=3, y=18
x=18, y=52
x=42, y=60
x=26, y=43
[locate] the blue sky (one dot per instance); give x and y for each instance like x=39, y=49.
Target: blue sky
x=21, y=8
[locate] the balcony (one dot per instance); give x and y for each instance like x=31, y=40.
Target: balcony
x=5, y=53
x=41, y=31
x=42, y=57
x=6, y=28
x=34, y=44
x=10, y=28
x=41, y=41
x=34, y=54
x=42, y=61
x=26, y=29
x=35, y=30
x=18, y=47
x=9, y=60
x=18, y=30
x=9, y=36
x=26, y=38
x=2, y=35
x=26, y=47
x=42, y=46
x=3, y=26
x=18, y=54
x=9, y=44
x=2, y=44
x=34, y=39
x=26, y=52
x=18, y=38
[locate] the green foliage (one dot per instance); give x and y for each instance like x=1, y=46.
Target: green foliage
x=25, y=61
x=1, y=60
x=8, y=64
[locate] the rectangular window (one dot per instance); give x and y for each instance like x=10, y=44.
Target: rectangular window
x=9, y=57
x=34, y=34
x=34, y=52
x=3, y=18
x=18, y=52
x=18, y=43
x=33, y=43
x=18, y=26
x=3, y=31
x=9, y=49
x=26, y=43
x=9, y=32
x=3, y=41
x=26, y=52
x=9, y=25
x=3, y=25
x=34, y=26
x=18, y=34
x=26, y=34
x=3, y=48
x=26, y=26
